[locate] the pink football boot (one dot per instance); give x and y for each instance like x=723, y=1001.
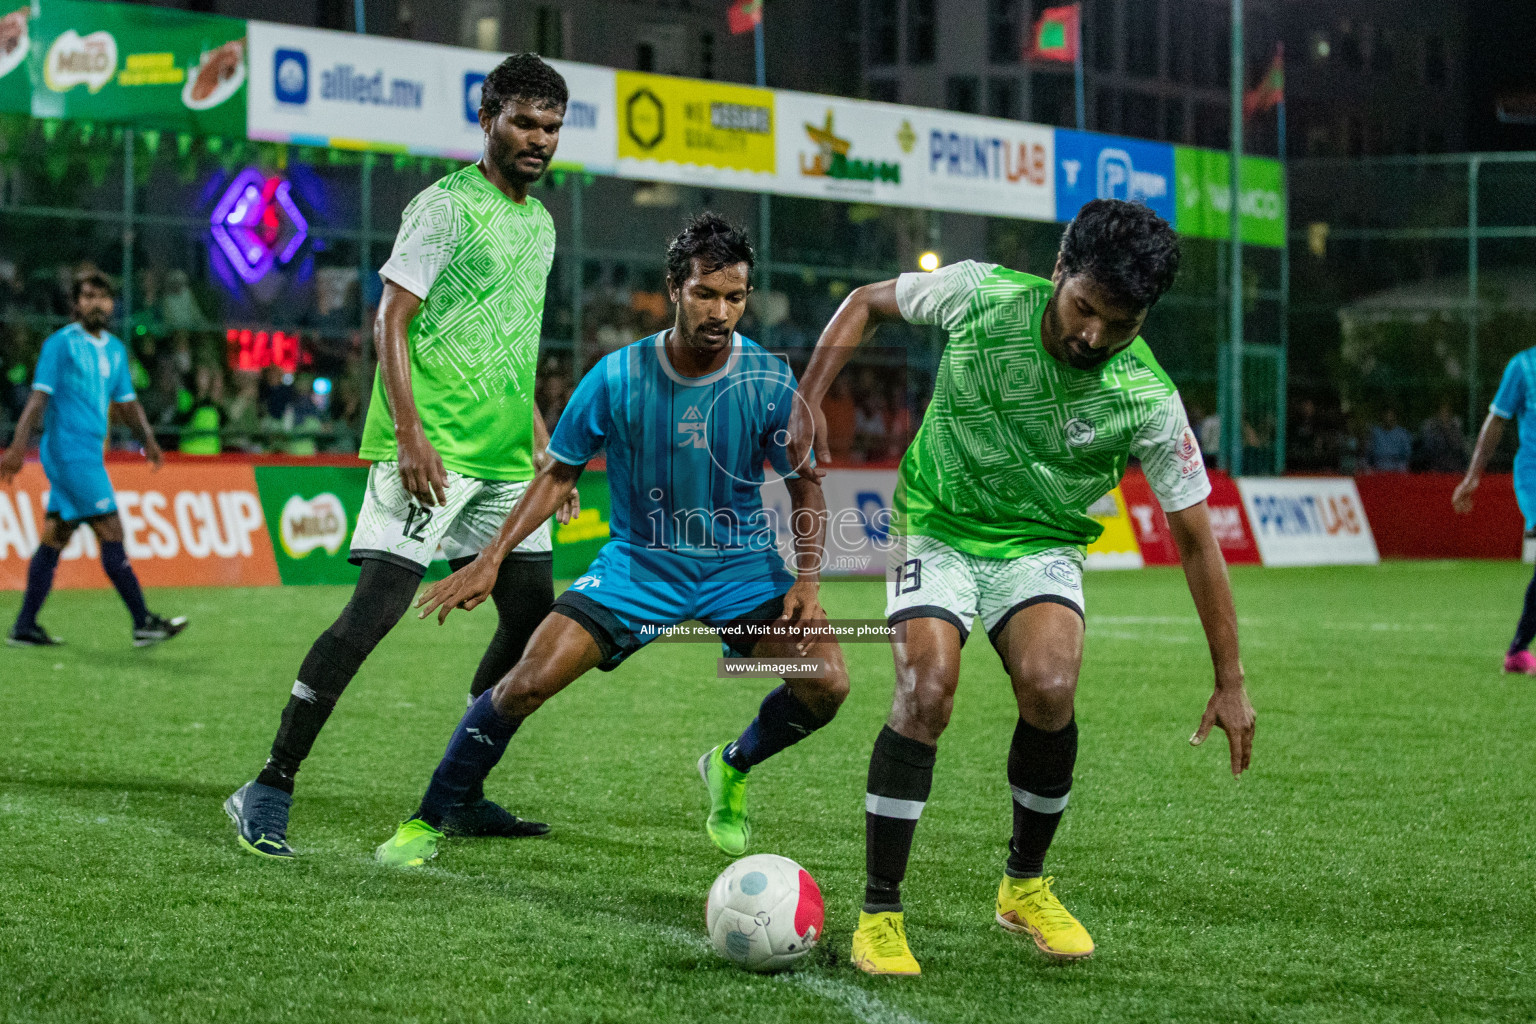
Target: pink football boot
x=1523, y=662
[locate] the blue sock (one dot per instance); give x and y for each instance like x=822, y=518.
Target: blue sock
x=782, y=721
x=115, y=561
x=476, y=747
x=39, y=582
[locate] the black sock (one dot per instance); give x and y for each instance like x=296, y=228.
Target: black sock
x=115, y=561
x=474, y=749
x=39, y=582
x=782, y=721
x=900, y=776
x=1040, y=775
x=524, y=593
x=1525, y=632
x=383, y=593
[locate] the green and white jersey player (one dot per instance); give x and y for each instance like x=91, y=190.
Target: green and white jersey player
x=452, y=431
x=1044, y=393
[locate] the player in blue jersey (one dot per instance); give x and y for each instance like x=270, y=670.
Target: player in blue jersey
x=1515, y=400
x=81, y=374
x=688, y=418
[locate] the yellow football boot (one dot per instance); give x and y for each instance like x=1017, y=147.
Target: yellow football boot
x=1027, y=905
x=880, y=945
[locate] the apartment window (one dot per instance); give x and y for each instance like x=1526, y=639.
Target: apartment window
x=1004, y=37
x=645, y=57
x=1051, y=99
x=1106, y=111
x=1213, y=46
x=921, y=29
x=1181, y=29
x=1384, y=52
x=962, y=93
x=1004, y=98
x=1101, y=27
x=335, y=14
x=549, y=31
x=480, y=24
x=1173, y=120
x=885, y=90
x=1213, y=126
x=1139, y=115
x=707, y=55
x=1143, y=51
x=882, y=31
x=1434, y=60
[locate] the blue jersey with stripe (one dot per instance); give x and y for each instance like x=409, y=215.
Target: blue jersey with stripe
x=82, y=374
x=686, y=455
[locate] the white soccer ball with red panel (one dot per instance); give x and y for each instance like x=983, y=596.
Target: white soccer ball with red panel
x=764, y=912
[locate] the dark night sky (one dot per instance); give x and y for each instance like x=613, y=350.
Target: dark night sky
x=1501, y=57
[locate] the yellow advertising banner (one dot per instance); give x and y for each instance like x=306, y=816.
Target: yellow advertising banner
x=1116, y=547
x=687, y=121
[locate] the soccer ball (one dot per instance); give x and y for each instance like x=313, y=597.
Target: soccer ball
x=764, y=912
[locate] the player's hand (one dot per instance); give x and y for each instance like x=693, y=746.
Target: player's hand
x=153, y=455
x=421, y=470
x=10, y=463
x=1229, y=708
x=807, y=430
x=468, y=588
x=802, y=607
x=571, y=509
x=1461, y=497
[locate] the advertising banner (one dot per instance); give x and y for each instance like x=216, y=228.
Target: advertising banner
x=905, y=156
x=1092, y=166
x=1308, y=521
x=310, y=513
x=1205, y=196
x=15, y=46
x=1227, y=521
x=315, y=87
x=1116, y=547
x=692, y=131
x=189, y=525
x=578, y=542
x=144, y=65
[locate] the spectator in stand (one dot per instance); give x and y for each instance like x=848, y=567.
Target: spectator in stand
x=840, y=412
x=1208, y=436
x=1442, y=446
x=898, y=424
x=1308, y=444
x=242, y=419
x=277, y=394
x=869, y=426
x=1391, y=445
x=179, y=310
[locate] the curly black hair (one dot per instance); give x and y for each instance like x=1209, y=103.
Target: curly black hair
x=93, y=277
x=522, y=76
x=712, y=240
x=1126, y=248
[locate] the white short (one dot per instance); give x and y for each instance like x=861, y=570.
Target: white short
x=926, y=578
x=393, y=527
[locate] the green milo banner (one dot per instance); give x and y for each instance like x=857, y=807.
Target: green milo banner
x=15, y=45
x=1205, y=197
x=311, y=512
x=142, y=65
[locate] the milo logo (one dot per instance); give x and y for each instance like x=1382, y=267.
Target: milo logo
x=308, y=524
x=74, y=60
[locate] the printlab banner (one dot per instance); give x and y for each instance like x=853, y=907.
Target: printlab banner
x=144, y=65
x=348, y=91
x=1308, y=521
x=907, y=156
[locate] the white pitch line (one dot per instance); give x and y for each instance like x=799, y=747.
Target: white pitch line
x=866, y=1008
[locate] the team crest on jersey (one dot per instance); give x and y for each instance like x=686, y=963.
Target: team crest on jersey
x=1189, y=455
x=692, y=428
x=1061, y=570
x=1079, y=432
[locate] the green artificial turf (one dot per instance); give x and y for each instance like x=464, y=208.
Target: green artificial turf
x=1375, y=864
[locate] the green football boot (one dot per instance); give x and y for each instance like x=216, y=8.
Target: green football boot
x=413, y=844
x=727, y=823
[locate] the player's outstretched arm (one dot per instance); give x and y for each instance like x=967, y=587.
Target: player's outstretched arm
x=1206, y=573
x=421, y=468
x=854, y=323
x=132, y=413
x=16, y=454
x=472, y=584
x=1487, y=443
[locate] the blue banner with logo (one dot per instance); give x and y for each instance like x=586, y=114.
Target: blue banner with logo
x=1093, y=166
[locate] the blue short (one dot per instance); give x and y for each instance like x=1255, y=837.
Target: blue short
x=79, y=490
x=629, y=593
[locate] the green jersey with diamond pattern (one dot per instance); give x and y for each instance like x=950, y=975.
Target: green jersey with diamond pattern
x=479, y=262
x=1017, y=445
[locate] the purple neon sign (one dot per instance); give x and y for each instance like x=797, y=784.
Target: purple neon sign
x=257, y=225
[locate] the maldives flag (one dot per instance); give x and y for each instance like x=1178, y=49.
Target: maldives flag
x=1056, y=34
x=1270, y=91
x=744, y=16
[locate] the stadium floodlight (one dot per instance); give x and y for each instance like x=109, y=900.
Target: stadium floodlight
x=929, y=261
